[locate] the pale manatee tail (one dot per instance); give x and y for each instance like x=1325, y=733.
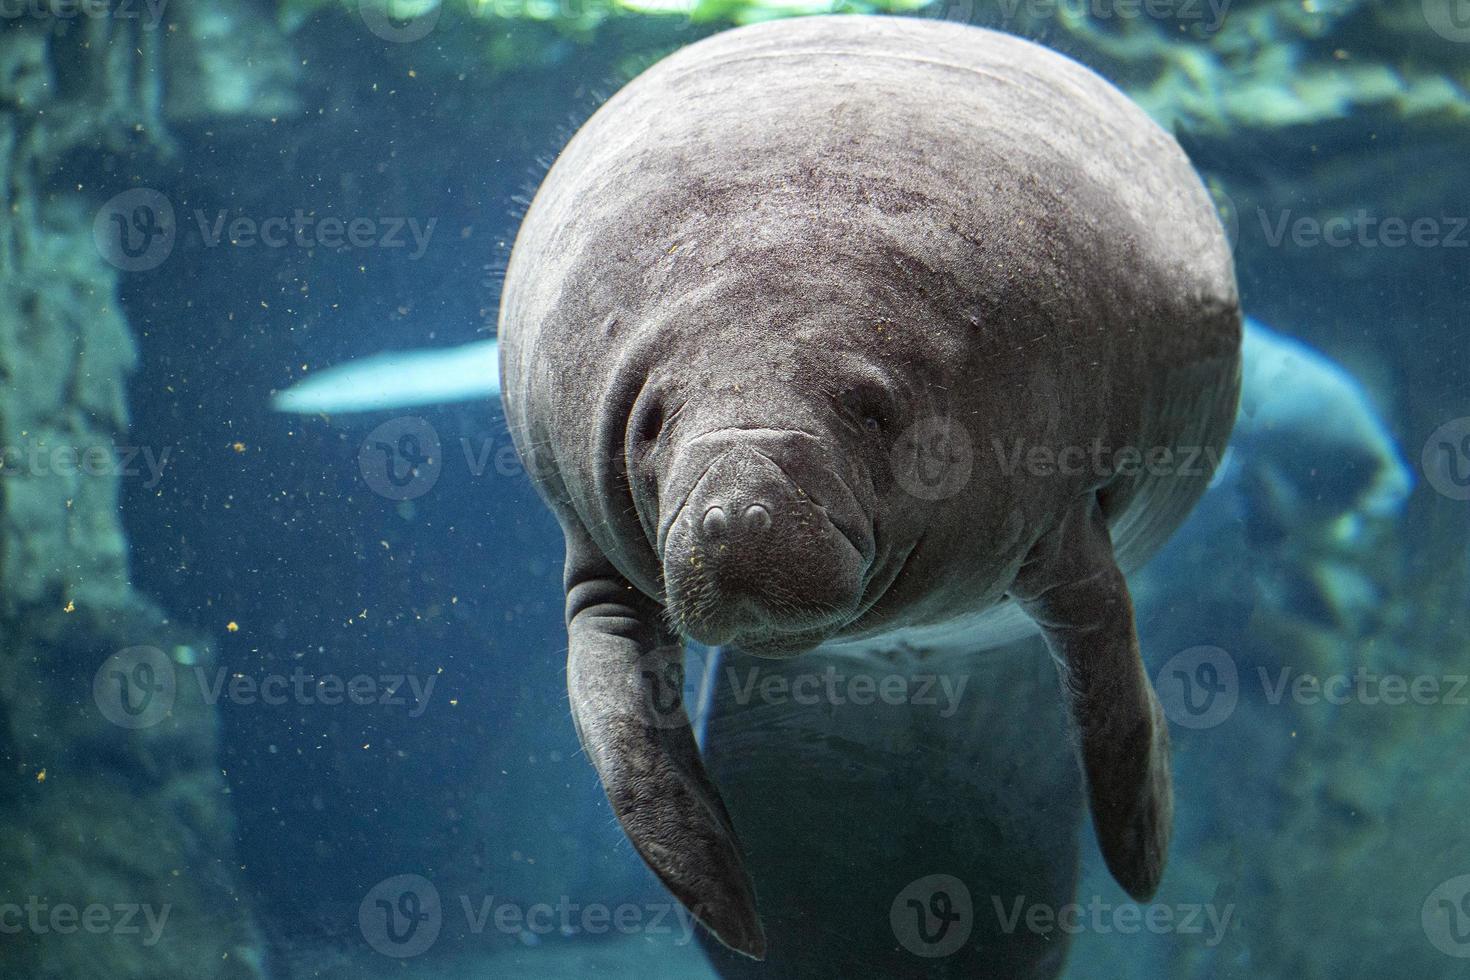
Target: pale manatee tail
x=398, y=379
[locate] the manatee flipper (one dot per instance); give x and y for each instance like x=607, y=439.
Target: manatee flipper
x=1072, y=587
x=625, y=679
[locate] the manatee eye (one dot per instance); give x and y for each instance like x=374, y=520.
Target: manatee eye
x=648, y=423
x=864, y=409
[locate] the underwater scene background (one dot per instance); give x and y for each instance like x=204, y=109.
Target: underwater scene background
x=283, y=695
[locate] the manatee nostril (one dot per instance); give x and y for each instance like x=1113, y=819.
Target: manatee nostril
x=752, y=519
x=715, y=521
x=756, y=517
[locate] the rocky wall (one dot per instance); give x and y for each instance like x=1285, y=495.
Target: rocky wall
x=116, y=829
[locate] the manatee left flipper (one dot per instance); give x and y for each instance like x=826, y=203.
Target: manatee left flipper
x=625, y=679
x=1073, y=589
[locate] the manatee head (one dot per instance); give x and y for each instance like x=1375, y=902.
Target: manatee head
x=762, y=487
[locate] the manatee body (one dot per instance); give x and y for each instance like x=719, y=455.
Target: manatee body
x=852, y=333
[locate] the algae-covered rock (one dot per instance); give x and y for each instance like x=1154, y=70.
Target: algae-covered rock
x=65, y=353
x=227, y=59
x=116, y=840
x=116, y=835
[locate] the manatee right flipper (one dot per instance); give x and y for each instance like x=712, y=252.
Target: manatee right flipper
x=1072, y=587
x=625, y=679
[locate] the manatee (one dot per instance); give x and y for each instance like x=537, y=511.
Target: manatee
x=786, y=337
x=1313, y=442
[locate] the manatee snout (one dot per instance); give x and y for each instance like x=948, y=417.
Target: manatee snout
x=769, y=549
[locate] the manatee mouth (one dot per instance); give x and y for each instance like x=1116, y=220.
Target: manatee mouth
x=754, y=559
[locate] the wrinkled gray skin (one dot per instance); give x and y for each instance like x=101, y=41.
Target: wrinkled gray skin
x=745, y=281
